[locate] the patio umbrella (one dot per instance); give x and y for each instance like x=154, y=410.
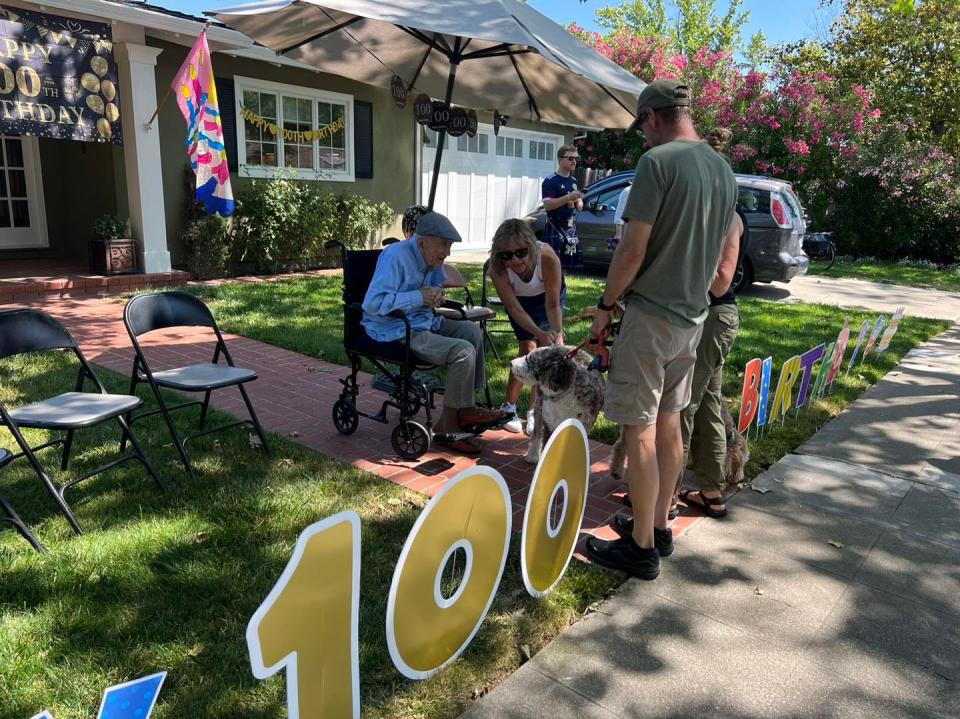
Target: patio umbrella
x=510, y=57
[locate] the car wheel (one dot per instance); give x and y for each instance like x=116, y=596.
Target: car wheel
x=743, y=277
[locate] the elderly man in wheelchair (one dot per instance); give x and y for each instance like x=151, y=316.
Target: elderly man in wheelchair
x=409, y=277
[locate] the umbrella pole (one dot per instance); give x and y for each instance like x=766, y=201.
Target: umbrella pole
x=442, y=134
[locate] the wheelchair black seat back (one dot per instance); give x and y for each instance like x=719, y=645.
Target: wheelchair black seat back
x=405, y=379
x=399, y=373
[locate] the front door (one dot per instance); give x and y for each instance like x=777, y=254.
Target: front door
x=22, y=218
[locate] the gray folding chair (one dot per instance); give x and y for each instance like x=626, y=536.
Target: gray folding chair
x=27, y=330
x=161, y=310
x=10, y=516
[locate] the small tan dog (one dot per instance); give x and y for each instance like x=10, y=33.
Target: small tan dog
x=738, y=452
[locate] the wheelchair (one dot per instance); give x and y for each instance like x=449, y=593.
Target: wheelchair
x=403, y=377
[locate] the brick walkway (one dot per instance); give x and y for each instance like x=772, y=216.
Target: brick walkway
x=294, y=395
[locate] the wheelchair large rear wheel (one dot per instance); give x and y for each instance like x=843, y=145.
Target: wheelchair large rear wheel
x=410, y=440
x=345, y=417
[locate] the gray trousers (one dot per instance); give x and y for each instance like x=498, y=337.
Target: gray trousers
x=458, y=346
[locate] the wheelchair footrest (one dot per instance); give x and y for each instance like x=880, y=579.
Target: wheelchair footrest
x=384, y=382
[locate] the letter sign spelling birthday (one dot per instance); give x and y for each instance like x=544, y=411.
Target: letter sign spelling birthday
x=309, y=622
x=813, y=382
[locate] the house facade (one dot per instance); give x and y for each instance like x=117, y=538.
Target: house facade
x=78, y=142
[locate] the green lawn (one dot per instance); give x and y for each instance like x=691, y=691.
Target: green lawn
x=168, y=581
x=268, y=311
x=912, y=274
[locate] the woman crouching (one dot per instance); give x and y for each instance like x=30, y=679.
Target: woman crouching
x=529, y=281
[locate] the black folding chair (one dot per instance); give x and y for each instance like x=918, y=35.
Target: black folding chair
x=495, y=304
x=10, y=516
x=27, y=330
x=161, y=310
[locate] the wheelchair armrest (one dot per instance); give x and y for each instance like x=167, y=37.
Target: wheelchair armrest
x=452, y=310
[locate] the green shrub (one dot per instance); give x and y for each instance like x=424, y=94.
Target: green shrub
x=209, y=241
x=282, y=225
x=903, y=202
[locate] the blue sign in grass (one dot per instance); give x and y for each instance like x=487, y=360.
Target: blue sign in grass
x=132, y=700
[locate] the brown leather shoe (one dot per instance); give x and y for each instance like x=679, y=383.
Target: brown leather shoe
x=471, y=416
x=462, y=446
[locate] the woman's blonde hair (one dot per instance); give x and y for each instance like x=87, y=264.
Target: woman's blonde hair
x=718, y=138
x=514, y=230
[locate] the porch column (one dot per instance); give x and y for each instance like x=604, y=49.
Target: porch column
x=141, y=153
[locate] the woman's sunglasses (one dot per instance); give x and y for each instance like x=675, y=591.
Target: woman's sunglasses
x=508, y=255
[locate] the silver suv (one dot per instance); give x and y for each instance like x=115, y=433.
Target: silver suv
x=774, y=215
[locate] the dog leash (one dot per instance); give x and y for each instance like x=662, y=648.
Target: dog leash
x=601, y=361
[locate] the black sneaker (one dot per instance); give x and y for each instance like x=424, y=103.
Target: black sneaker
x=625, y=555
x=662, y=538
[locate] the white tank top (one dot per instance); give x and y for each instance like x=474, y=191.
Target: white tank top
x=535, y=286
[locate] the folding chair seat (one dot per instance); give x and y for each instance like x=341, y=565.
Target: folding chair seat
x=161, y=310
x=10, y=516
x=28, y=330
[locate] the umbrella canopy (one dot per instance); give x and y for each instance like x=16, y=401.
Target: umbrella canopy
x=510, y=57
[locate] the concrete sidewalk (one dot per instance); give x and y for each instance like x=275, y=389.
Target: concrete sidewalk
x=836, y=593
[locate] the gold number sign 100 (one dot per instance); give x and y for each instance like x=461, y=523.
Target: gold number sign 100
x=309, y=622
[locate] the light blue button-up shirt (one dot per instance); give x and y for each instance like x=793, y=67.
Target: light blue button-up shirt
x=401, y=272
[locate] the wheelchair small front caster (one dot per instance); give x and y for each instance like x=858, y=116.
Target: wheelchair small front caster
x=345, y=417
x=410, y=440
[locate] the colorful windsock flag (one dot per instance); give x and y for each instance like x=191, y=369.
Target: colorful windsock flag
x=197, y=98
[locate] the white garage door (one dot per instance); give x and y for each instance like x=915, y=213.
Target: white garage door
x=486, y=179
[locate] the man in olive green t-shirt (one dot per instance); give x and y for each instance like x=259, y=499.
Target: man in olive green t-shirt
x=679, y=212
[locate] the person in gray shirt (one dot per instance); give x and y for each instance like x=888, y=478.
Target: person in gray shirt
x=678, y=215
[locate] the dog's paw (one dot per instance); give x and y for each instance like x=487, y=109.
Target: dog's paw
x=531, y=457
x=617, y=473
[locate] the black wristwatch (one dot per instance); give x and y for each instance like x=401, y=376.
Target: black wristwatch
x=605, y=308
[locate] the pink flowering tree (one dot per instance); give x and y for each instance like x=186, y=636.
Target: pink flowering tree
x=806, y=128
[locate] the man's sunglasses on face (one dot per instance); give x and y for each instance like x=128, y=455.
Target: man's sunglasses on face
x=519, y=253
x=574, y=158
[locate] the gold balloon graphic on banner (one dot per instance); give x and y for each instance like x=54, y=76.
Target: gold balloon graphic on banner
x=90, y=82
x=99, y=65
x=112, y=112
x=109, y=90
x=103, y=127
x=95, y=103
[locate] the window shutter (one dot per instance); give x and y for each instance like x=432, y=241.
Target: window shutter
x=363, y=139
x=227, y=99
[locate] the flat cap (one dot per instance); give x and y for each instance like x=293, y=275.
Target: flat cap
x=659, y=95
x=433, y=224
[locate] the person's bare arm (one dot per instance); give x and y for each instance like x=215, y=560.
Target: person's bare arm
x=728, y=259
x=512, y=305
x=626, y=263
x=553, y=280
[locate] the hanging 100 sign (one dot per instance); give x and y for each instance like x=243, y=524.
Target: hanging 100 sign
x=309, y=622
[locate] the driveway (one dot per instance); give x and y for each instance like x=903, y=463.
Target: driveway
x=875, y=296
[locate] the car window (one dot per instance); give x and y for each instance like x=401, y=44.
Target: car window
x=609, y=198
x=793, y=201
x=752, y=200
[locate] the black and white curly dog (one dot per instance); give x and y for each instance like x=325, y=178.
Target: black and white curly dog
x=566, y=388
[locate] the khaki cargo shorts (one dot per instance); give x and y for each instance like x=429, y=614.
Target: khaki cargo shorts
x=651, y=368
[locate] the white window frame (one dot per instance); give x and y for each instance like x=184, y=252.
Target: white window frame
x=309, y=93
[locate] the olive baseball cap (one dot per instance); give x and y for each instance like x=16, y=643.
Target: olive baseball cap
x=658, y=95
x=433, y=224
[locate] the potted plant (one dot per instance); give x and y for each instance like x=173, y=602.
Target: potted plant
x=112, y=250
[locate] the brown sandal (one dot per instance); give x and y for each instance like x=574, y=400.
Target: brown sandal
x=703, y=503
